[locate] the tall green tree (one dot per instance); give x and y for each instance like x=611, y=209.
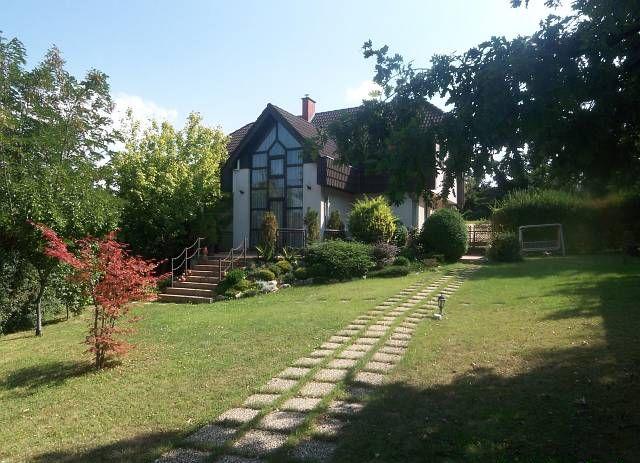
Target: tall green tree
x=54, y=129
x=169, y=182
x=559, y=107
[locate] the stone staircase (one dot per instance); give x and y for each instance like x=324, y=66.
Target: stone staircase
x=198, y=284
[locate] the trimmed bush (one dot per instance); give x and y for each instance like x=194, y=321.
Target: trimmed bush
x=389, y=272
x=230, y=280
x=263, y=274
x=401, y=261
x=372, y=221
x=284, y=266
x=445, y=232
x=301, y=273
x=504, y=247
x=589, y=224
x=384, y=253
x=338, y=260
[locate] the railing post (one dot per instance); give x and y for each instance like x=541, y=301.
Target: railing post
x=172, y=272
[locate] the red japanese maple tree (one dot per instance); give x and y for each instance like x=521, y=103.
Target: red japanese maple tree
x=112, y=278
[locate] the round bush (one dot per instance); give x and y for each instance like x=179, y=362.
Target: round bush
x=277, y=271
x=401, y=261
x=445, y=232
x=372, y=221
x=301, y=273
x=338, y=260
x=505, y=247
x=284, y=266
x=263, y=274
x=230, y=280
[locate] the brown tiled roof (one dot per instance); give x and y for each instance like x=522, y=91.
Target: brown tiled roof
x=320, y=121
x=236, y=137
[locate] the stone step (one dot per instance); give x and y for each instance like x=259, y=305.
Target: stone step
x=206, y=267
x=194, y=285
x=180, y=299
x=190, y=292
x=204, y=273
x=201, y=279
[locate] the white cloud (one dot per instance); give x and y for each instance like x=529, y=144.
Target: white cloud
x=143, y=110
x=355, y=95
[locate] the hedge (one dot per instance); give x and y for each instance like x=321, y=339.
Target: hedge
x=589, y=224
x=338, y=260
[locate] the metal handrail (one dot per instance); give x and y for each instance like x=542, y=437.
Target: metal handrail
x=230, y=257
x=186, y=259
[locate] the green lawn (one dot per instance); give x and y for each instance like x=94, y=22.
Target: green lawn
x=191, y=363
x=535, y=362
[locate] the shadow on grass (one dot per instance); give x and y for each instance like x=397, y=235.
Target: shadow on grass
x=577, y=405
x=140, y=448
x=28, y=380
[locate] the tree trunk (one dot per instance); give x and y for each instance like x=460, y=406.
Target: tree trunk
x=44, y=277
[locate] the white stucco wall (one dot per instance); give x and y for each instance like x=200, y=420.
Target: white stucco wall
x=241, y=205
x=341, y=201
x=406, y=212
x=312, y=194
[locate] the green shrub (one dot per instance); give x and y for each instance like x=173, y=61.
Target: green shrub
x=301, y=273
x=312, y=222
x=401, y=236
x=445, y=232
x=401, y=261
x=338, y=260
x=263, y=274
x=372, y=221
x=335, y=221
x=230, y=280
x=589, y=224
x=277, y=271
x=504, y=247
x=284, y=266
x=392, y=271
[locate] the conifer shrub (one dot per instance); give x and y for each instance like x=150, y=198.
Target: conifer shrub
x=372, y=221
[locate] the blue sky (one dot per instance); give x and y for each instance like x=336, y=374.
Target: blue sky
x=227, y=60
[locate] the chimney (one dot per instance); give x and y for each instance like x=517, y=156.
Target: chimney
x=308, y=108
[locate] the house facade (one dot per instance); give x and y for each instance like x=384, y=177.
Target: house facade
x=267, y=170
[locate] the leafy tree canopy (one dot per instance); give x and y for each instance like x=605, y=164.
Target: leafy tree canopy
x=558, y=107
x=54, y=129
x=169, y=181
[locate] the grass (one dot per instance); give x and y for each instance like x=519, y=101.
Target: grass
x=534, y=362
x=191, y=363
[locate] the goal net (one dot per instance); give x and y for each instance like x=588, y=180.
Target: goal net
x=541, y=237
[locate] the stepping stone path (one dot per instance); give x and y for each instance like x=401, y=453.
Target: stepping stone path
x=359, y=357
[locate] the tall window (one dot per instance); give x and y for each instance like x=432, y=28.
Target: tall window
x=276, y=181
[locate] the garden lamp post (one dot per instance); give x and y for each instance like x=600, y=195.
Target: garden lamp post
x=441, y=301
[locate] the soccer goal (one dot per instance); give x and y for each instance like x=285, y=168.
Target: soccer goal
x=544, y=238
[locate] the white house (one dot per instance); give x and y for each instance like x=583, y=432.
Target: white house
x=266, y=171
